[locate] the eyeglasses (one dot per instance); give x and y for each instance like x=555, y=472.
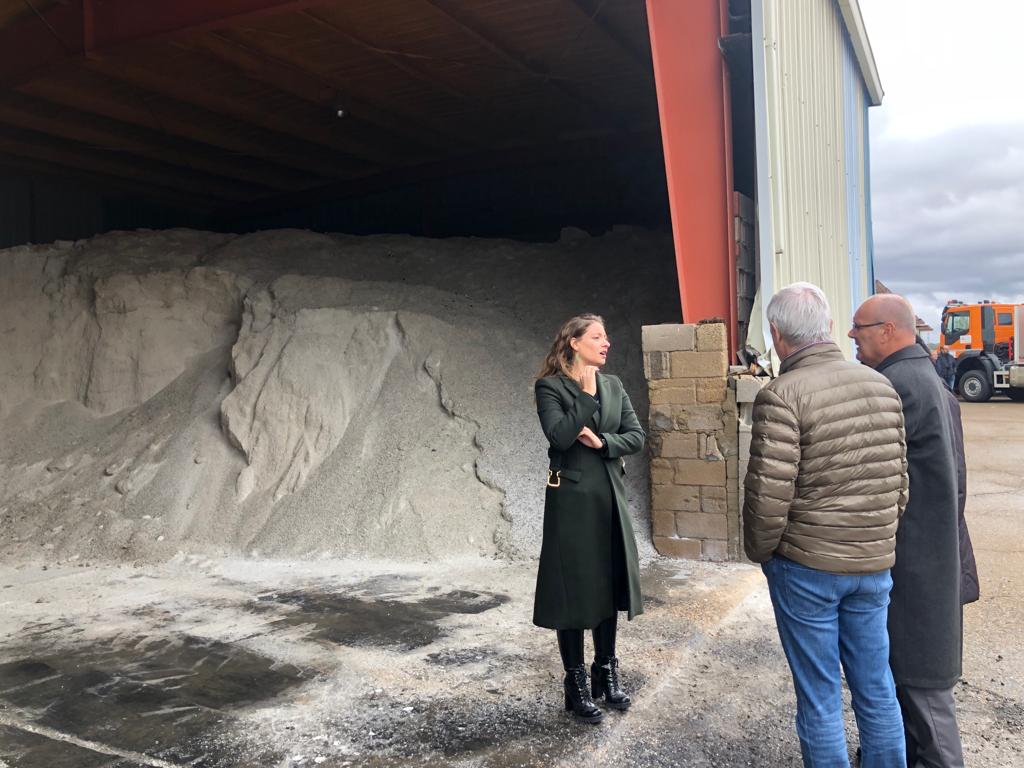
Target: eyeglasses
x=862, y=326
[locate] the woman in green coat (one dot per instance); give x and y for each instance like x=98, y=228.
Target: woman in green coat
x=588, y=568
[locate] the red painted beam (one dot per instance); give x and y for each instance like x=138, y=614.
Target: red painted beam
x=77, y=28
x=694, y=106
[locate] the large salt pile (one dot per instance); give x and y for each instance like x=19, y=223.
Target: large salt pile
x=296, y=394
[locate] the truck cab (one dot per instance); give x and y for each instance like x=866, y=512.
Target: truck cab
x=987, y=339
x=985, y=326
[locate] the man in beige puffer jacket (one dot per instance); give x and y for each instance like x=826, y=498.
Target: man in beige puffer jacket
x=826, y=484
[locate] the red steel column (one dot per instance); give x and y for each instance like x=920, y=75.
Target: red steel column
x=694, y=105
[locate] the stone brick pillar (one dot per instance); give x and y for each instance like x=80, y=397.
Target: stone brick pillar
x=694, y=440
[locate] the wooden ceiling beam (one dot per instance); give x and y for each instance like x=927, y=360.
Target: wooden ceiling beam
x=532, y=69
x=440, y=134
x=404, y=133
x=356, y=155
x=235, y=139
x=77, y=28
x=85, y=158
x=398, y=61
x=402, y=63
x=63, y=122
x=476, y=30
x=591, y=11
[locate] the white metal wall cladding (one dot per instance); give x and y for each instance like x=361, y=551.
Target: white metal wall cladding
x=816, y=108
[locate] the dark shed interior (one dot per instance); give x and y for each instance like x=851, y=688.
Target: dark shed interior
x=429, y=117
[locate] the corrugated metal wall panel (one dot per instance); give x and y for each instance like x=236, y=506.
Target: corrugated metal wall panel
x=815, y=102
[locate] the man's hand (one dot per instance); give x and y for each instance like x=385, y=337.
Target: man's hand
x=588, y=381
x=589, y=439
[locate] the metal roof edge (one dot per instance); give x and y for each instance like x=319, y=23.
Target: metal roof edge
x=854, y=22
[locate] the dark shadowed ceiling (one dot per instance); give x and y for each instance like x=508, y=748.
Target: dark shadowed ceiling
x=229, y=105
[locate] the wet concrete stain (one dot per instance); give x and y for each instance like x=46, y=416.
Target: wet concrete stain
x=457, y=728
x=344, y=619
x=29, y=749
x=755, y=741
x=172, y=698
x=460, y=657
x=1006, y=714
x=517, y=726
x=1010, y=714
x=511, y=728
x=651, y=602
x=386, y=584
x=164, y=698
x=37, y=631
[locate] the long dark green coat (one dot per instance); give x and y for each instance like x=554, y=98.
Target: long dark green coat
x=588, y=546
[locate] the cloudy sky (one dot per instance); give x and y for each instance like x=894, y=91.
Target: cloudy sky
x=947, y=149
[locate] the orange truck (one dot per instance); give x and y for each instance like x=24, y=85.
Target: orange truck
x=987, y=339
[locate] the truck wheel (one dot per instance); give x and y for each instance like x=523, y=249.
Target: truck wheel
x=975, y=387
x=1016, y=394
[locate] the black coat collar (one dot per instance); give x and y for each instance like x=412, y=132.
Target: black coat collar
x=909, y=352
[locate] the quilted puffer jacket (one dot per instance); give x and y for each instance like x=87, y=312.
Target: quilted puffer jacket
x=827, y=479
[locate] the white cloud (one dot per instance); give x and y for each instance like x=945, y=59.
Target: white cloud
x=946, y=63
x=947, y=150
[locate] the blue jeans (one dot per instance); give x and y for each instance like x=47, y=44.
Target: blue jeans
x=824, y=620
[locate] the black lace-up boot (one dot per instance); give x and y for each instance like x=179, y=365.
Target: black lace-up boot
x=577, y=696
x=604, y=681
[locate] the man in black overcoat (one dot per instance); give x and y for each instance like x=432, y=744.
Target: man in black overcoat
x=970, y=590
x=945, y=366
x=925, y=612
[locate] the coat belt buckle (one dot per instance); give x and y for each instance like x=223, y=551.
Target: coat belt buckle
x=558, y=479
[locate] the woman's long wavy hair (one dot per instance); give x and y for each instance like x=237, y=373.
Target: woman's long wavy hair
x=560, y=358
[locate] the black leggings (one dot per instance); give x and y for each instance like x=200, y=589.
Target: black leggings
x=570, y=643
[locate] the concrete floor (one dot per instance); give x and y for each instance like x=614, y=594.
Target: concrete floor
x=242, y=663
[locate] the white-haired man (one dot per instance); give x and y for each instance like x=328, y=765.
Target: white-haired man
x=825, y=487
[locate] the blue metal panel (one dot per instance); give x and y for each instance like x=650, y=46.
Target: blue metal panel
x=869, y=245
x=854, y=109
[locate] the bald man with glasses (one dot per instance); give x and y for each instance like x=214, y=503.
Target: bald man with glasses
x=925, y=614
